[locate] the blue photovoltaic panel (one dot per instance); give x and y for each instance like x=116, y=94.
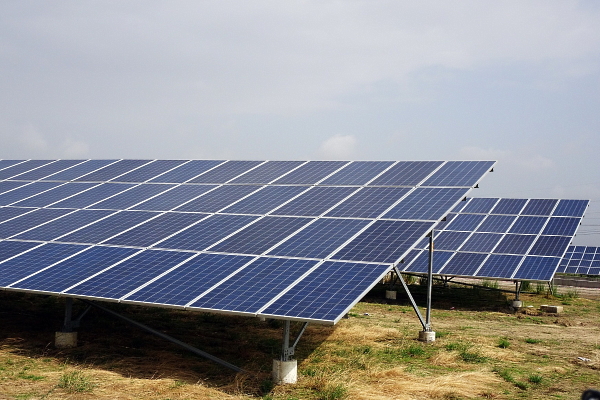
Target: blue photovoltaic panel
x=28, y=221
x=531, y=225
x=7, y=213
x=481, y=242
x=561, y=226
x=459, y=173
x=35, y=260
x=459, y=206
x=187, y=171
x=550, y=246
x=257, y=284
x=218, y=199
x=173, y=198
x=132, y=197
x=10, y=249
x=357, y=173
x=94, y=195
x=480, y=205
x=108, y=227
x=315, y=201
x=189, y=280
x=47, y=169
x=327, y=292
x=539, y=207
x=73, y=270
x=537, y=268
x=369, y=202
x=444, y=223
x=63, y=225
x=5, y=186
x=450, y=240
x=509, y=206
x=225, y=172
x=267, y=172
x=320, y=238
x=571, y=208
x=17, y=169
x=149, y=171
x=406, y=173
x=465, y=222
x=260, y=236
x=7, y=163
x=426, y=203
x=463, y=264
x=207, y=232
x=130, y=274
x=78, y=170
x=499, y=266
x=384, y=241
x=112, y=171
x=581, y=260
x=23, y=192
x=496, y=223
x=515, y=244
x=156, y=229
x=421, y=263
x=311, y=172
x=54, y=195
x=265, y=200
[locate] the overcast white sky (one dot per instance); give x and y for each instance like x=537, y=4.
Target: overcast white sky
x=513, y=81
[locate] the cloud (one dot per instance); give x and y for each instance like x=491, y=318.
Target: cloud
x=338, y=147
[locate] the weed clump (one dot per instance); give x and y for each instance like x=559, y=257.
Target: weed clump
x=503, y=343
x=75, y=382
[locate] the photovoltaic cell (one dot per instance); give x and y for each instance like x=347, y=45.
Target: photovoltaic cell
x=252, y=288
x=464, y=264
x=480, y=205
x=5, y=186
x=18, y=169
x=421, y=263
x=311, y=172
x=156, y=229
x=499, y=266
x=320, y=238
x=449, y=240
x=207, y=232
x=328, y=291
x=63, y=225
x=35, y=260
x=267, y=172
x=225, y=172
x=426, y=203
x=369, y=202
x=496, y=223
x=28, y=221
x=187, y=171
x=173, y=198
x=7, y=163
x=406, y=173
x=47, y=169
x=149, y=171
x=481, y=242
x=571, y=208
x=189, y=280
x=315, y=201
x=218, y=199
x=7, y=213
x=130, y=274
x=112, y=171
x=78, y=170
x=532, y=225
x=23, y=192
x=384, y=241
x=550, y=246
x=10, y=249
x=515, y=244
x=509, y=206
x=53, y=195
x=94, y=195
x=260, y=236
x=459, y=173
x=465, y=222
x=357, y=173
x=131, y=197
x=539, y=207
x=537, y=268
x=561, y=226
x=73, y=270
x=265, y=200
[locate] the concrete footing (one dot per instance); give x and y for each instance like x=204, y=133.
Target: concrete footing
x=427, y=336
x=551, y=309
x=285, y=371
x=516, y=304
x=390, y=294
x=65, y=340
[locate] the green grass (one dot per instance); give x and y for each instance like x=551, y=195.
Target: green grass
x=535, y=378
x=533, y=341
x=332, y=392
x=503, y=343
x=75, y=382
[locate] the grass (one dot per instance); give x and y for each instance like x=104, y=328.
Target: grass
x=75, y=382
x=503, y=343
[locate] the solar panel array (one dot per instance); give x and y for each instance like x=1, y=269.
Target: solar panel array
x=582, y=260
x=298, y=240
x=521, y=239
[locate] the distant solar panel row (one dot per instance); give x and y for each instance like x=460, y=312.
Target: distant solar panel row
x=583, y=260
x=521, y=239
x=287, y=239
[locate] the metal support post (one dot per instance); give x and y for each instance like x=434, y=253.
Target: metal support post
x=517, y=290
x=68, y=324
x=412, y=300
x=288, y=351
x=429, y=283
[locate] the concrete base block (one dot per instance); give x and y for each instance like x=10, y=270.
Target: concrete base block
x=552, y=309
x=262, y=319
x=65, y=340
x=427, y=336
x=390, y=294
x=285, y=371
x=516, y=304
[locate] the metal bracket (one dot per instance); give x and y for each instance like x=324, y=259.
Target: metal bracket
x=69, y=323
x=287, y=351
x=410, y=297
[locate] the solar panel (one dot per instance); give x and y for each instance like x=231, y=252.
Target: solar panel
x=502, y=239
x=584, y=260
x=289, y=239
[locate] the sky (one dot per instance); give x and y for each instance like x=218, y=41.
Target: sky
x=512, y=81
